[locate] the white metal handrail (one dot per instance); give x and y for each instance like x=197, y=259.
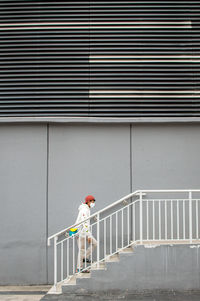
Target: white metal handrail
x=135, y=193
x=142, y=220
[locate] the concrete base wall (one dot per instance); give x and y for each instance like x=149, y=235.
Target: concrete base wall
x=159, y=268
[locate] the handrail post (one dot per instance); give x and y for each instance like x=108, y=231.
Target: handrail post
x=141, y=222
x=55, y=260
x=190, y=215
x=98, y=240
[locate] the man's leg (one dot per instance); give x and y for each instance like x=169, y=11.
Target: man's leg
x=91, y=247
x=81, y=252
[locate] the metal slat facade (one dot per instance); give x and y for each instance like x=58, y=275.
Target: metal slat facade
x=100, y=58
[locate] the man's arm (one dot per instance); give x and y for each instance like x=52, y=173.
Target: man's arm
x=86, y=225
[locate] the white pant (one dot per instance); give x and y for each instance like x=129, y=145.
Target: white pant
x=83, y=252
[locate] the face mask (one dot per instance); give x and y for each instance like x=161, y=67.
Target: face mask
x=92, y=205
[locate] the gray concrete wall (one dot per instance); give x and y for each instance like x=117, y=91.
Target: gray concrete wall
x=85, y=160
x=23, y=204
x=105, y=160
x=165, y=156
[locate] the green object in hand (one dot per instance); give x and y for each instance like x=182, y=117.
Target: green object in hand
x=73, y=231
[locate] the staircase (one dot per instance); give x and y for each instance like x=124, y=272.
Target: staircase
x=142, y=218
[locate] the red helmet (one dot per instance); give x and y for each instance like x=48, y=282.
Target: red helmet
x=89, y=198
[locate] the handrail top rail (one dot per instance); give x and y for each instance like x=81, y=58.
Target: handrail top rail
x=136, y=192
x=169, y=190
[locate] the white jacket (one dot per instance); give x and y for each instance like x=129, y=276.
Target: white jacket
x=84, y=212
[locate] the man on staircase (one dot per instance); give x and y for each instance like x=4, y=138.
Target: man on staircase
x=85, y=234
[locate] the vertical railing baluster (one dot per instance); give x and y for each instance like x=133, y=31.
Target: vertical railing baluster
x=197, y=220
x=91, y=247
x=79, y=253
x=128, y=230
x=153, y=220
x=141, y=221
x=73, y=249
x=172, y=220
x=116, y=231
x=122, y=227
x=183, y=219
x=159, y=217
x=111, y=234
x=61, y=260
x=68, y=257
x=177, y=208
x=85, y=250
x=134, y=222
x=166, y=220
x=147, y=220
x=55, y=260
x=98, y=240
x=104, y=237
x=190, y=215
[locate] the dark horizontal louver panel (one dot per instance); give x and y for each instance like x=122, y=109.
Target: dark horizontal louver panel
x=145, y=60
x=45, y=66
x=100, y=58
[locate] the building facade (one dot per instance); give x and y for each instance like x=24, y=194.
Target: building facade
x=97, y=97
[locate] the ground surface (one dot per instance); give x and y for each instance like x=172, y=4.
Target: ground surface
x=22, y=293
x=145, y=296
x=36, y=293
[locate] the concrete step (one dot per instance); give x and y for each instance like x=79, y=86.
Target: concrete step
x=70, y=281
x=112, y=258
x=101, y=266
x=104, y=275
x=78, y=281
x=96, y=273
x=55, y=290
x=69, y=285
x=83, y=275
x=83, y=280
x=126, y=250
